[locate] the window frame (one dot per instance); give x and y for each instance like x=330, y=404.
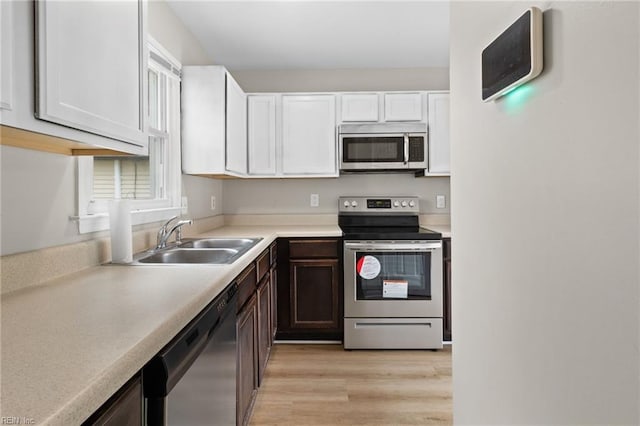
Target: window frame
x=92, y=214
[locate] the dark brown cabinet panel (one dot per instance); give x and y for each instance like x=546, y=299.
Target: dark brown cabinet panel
x=264, y=325
x=314, y=293
x=313, y=248
x=446, y=290
x=273, y=275
x=309, y=289
x=123, y=409
x=246, y=285
x=263, y=264
x=247, y=365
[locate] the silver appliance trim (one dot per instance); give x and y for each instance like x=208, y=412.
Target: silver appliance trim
x=393, y=333
x=389, y=245
x=373, y=130
x=354, y=308
x=376, y=129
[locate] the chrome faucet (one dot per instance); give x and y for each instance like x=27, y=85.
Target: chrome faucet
x=164, y=232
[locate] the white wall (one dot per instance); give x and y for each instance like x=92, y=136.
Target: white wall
x=289, y=196
x=39, y=189
x=546, y=221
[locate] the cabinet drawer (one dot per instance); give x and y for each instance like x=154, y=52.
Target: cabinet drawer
x=262, y=264
x=273, y=252
x=309, y=249
x=246, y=285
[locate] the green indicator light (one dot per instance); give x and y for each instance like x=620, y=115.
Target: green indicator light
x=516, y=97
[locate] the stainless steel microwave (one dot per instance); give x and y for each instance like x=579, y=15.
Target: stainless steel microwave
x=383, y=146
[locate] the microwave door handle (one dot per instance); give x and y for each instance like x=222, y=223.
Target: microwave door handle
x=406, y=148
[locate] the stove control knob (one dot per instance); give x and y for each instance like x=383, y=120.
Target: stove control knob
x=346, y=204
x=396, y=204
x=404, y=204
x=412, y=204
x=354, y=204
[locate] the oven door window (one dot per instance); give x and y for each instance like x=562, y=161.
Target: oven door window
x=393, y=275
x=372, y=149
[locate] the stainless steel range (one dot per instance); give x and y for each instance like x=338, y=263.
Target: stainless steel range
x=392, y=275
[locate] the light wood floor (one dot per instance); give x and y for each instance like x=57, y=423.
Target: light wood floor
x=326, y=385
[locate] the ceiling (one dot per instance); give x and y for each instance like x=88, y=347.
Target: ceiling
x=246, y=35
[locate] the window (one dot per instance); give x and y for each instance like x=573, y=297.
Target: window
x=153, y=181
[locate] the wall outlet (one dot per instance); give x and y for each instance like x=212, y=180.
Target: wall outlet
x=213, y=202
x=185, y=205
x=441, y=202
x=314, y=200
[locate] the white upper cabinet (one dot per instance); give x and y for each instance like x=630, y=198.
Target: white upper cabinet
x=439, y=146
x=403, y=107
x=236, y=123
x=359, y=107
x=214, y=122
x=309, y=135
x=80, y=83
x=91, y=67
x=261, y=130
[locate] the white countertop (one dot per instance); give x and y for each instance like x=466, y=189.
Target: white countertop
x=70, y=344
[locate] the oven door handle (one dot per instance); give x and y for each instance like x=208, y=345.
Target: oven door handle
x=406, y=247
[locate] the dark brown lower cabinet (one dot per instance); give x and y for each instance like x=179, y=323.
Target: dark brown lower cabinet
x=446, y=289
x=122, y=409
x=246, y=372
x=314, y=294
x=255, y=328
x=263, y=295
x=310, y=289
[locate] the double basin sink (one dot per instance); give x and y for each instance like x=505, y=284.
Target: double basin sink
x=219, y=251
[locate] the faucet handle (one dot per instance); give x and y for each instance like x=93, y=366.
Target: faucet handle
x=162, y=233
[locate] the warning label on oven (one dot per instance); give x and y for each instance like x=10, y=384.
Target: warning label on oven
x=368, y=267
x=395, y=289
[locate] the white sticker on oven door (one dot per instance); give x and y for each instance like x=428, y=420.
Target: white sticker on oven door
x=368, y=267
x=395, y=289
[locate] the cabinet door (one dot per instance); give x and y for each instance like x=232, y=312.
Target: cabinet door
x=247, y=341
x=91, y=67
x=262, y=134
x=439, y=146
x=359, y=107
x=264, y=327
x=309, y=135
x=403, y=106
x=203, y=119
x=314, y=294
x=236, y=138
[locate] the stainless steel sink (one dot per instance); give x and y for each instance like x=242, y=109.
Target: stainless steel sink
x=216, y=251
x=234, y=243
x=179, y=255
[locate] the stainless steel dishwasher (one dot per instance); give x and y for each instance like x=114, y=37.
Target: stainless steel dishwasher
x=192, y=380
